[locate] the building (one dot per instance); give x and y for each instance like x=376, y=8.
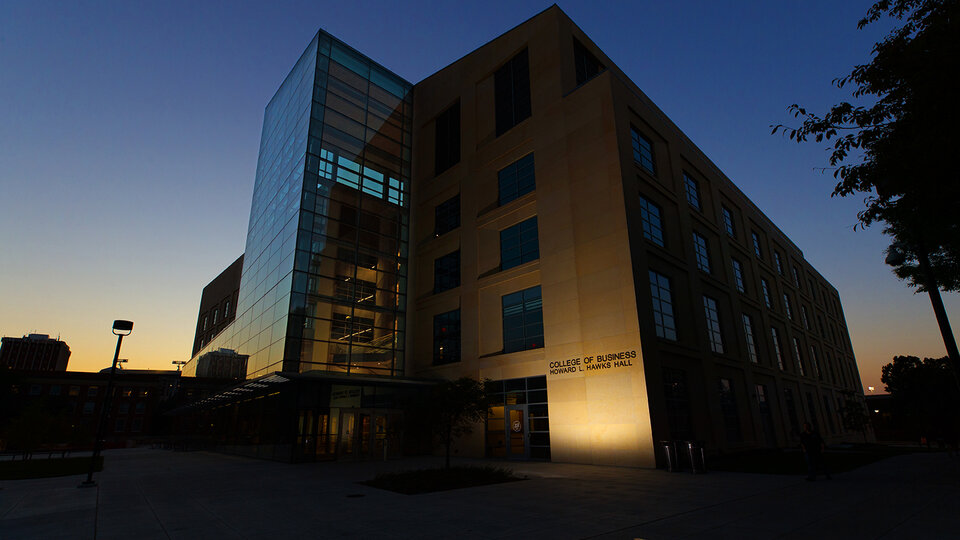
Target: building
x=34, y=352
x=555, y=234
x=222, y=364
x=218, y=304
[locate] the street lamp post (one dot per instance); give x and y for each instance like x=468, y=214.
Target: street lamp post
x=120, y=328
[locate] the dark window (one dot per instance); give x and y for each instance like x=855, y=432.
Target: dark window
x=512, y=92
x=776, y=347
x=587, y=64
x=516, y=179
x=766, y=293
x=678, y=403
x=523, y=320
x=714, y=334
x=651, y=216
x=446, y=272
x=756, y=244
x=702, y=252
x=447, y=216
x=693, y=191
x=448, y=139
x=751, y=339
x=519, y=244
x=738, y=275
x=778, y=262
x=728, y=221
x=796, y=277
x=786, y=306
x=663, y=320
x=728, y=404
x=798, y=357
x=791, y=412
x=446, y=337
x=642, y=151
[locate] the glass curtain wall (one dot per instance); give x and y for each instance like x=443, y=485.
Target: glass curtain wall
x=324, y=278
x=350, y=270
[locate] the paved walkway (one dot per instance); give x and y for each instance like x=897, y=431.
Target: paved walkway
x=146, y=494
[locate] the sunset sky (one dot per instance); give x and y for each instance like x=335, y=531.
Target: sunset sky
x=129, y=134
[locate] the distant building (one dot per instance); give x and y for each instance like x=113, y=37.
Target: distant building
x=222, y=364
x=34, y=352
x=64, y=407
x=218, y=304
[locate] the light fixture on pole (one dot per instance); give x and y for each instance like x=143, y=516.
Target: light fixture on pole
x=179, y=364
x=120, y=328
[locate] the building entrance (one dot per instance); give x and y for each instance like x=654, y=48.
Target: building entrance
x=517, y=444
x=368, y=434
x=517, y=423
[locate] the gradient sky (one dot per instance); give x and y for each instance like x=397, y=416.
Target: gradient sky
x=129, y=135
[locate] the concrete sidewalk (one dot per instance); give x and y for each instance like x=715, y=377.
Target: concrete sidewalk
x=145, y=494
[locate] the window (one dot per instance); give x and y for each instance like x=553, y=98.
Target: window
x=140, y=407
x=355, y=290
x=519, y=244
x=54, y=390
x=74, y=391
x=738, y=276
x=512, y=92
x=797, y=357
x=786, y=306
x=816, y=364
x=693, y=191
x=766, y=293
x=778, y=262
x=652, y=219
x=663, y=320
x=756, y=244
x=728, y=221
x=586, y=64
x=728, y=405
x=751, y=340
x=701, y=252
x=796, y=277
x=446, y=272
x=226, y=309
x=714, y=335
x=136, y=425
x=523, y=320
x=803, y=316
x=447, y=216
x=813, y=290
x=677, y=403
x=446, y=338
x=91, y=391
x=120, y=425
x=642, y=151
x=35, y=390
x=447, y=143
x=776, y=347
x=516, y=179
x=204, y=324
x=88, y=407
x=346, y=328
x=215, y=313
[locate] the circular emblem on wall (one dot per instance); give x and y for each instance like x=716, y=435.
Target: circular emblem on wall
x=517, y=426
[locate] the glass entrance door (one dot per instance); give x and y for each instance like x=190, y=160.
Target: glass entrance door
x=516, y=428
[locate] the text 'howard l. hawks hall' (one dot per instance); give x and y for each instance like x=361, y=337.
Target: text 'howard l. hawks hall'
x=525, y=215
